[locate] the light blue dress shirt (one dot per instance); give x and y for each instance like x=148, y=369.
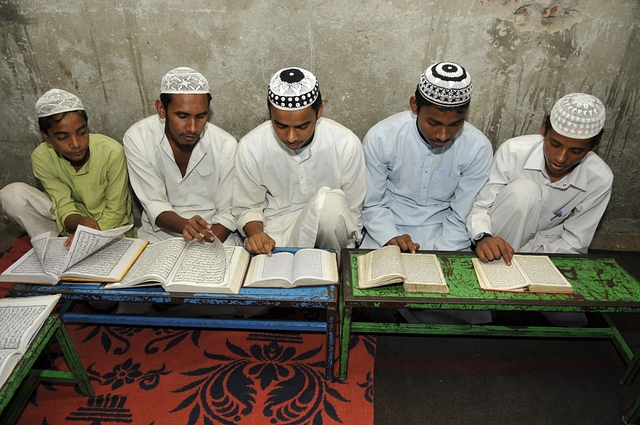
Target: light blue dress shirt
x=415, y=189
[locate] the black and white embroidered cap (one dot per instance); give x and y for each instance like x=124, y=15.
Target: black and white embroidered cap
x=578, y=115
x=57, y=101
x=184, y=80
x=446, y=84
x=293, y=89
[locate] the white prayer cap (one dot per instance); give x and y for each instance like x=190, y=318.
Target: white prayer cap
x=184, y=80
x=293, y=89
x=446, y=84
x=578, y=116
x=57, y=101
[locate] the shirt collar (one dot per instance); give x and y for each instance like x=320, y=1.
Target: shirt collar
x=536, y=162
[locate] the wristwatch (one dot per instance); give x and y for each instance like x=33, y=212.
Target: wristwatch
x=478, y=238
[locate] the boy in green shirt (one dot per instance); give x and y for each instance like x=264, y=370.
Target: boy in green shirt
x=84, y=175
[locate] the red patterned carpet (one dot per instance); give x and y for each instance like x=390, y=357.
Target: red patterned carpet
x=176, y=376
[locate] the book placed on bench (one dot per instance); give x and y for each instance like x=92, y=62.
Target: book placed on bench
x=527, y=273
x=20, y=321
x=194, y=267
x=305, y=267
x=94, y=256
x=388, y=265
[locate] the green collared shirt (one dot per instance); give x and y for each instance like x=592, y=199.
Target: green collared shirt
x=98, y=190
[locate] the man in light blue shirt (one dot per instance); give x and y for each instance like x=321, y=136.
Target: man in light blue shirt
x=424, y=167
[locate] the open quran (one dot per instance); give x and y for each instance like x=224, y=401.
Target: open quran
x=194, y=267
x=527, y=273
x=388, y=265
x=94, y=256
x=305, y=267
x=20, y=321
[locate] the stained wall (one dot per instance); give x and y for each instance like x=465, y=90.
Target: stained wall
x=367, y=55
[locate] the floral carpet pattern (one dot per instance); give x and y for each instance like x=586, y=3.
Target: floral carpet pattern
x=144, y=375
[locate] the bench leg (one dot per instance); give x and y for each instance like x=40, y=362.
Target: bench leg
x=345, y=337
x=73, y=360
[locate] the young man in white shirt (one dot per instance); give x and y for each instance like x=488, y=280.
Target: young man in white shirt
x=546, y=192
x=299, y=178
x=181, y=166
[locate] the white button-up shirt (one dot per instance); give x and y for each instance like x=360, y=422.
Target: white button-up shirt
x=571, y=207
x=204, y=190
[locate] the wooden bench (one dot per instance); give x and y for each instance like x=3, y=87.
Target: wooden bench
x=600, y=284
x=24, y=378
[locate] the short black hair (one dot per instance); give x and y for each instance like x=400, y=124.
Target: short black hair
x=594, y=140
x=165, y=99
x=45, y=123
x=421, y=101
x=315, y=105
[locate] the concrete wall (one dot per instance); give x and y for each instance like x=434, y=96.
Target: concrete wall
x=367, y=55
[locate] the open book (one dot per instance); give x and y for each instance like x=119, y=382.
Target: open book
x=20, y=321
x=285, y=269
x=527, y=273
x=94, y=256
x=388, y=265
x=195, y=267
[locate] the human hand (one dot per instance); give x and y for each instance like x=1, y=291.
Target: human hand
x=260, y=243
x=89, y=222
x=493, y=248
x=197, y=228
x=405, y=243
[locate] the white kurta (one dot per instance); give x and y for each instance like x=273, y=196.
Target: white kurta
x=204, y=190
x=569, y=209
x=274, y=184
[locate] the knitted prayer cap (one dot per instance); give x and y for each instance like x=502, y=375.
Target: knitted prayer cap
x=578, y=115
x=293, y=89
x=184, y=80
x=446, y=84
x=56, y=101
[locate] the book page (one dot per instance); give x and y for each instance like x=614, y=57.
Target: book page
x=109, y=262
x=86, y=241
x=310, y=263
x=540, y=270
x=202, y=264
x=8, y=361
x=498, y=276
x=39, y=244
x=28, y=264
x=423, y=268
x=156, y=261
x=55, y=257
x=382, y=263
x=20, y=319
x=278, y=266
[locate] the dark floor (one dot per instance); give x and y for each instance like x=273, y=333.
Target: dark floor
x=451, y=380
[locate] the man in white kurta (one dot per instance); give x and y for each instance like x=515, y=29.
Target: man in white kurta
x=204, y=190
x=190, y=175
x=546, y=193
x=181, y=169
x=299, y=177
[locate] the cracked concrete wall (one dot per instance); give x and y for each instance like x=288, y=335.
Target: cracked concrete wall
x=367, y=55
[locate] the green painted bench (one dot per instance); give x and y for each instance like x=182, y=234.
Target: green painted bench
x=18, y=387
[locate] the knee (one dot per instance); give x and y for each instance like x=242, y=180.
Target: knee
x=13, y=196
x=521, y=195
x=332, y=210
